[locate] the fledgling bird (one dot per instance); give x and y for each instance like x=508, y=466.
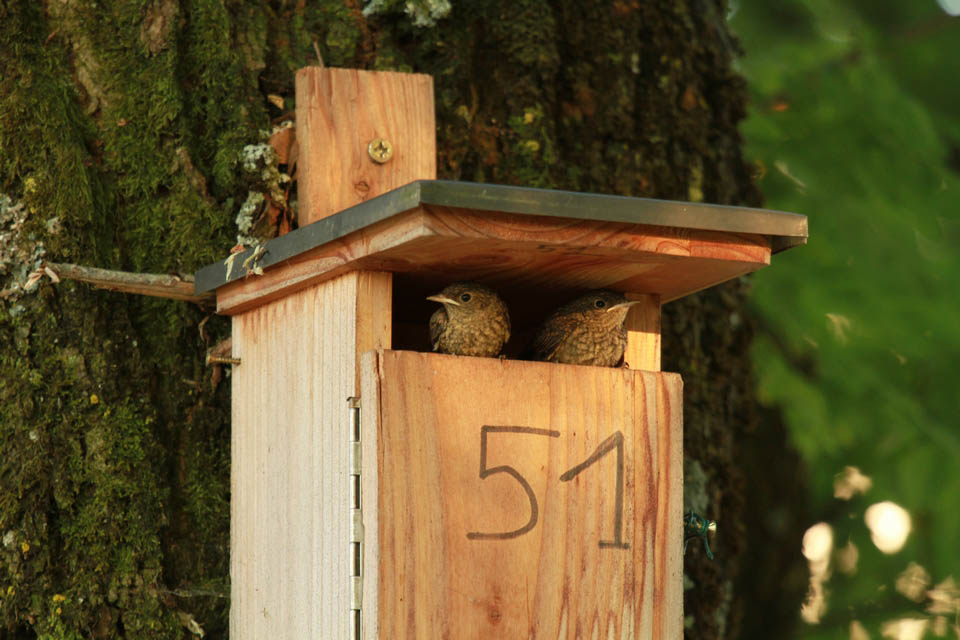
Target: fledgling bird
x=589, y=330
x=473, y=321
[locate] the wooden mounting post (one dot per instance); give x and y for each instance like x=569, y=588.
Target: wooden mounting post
x=340, y=113
x=291, y=518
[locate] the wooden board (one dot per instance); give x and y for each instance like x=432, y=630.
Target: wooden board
x=329, y=261
x=517, y=253
x=339, y=112
x=643, y=333
x=290, y=494
x=488, y=512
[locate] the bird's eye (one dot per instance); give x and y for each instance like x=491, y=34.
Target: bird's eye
x=600, y=304
x=465, y=297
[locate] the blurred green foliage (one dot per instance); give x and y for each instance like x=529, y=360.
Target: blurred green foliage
x=854, y=122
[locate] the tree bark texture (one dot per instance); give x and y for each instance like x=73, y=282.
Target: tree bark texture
x=122, y=127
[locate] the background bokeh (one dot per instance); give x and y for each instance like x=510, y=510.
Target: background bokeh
x=855, y=122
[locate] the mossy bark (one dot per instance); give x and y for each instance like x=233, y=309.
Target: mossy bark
x=121, y=126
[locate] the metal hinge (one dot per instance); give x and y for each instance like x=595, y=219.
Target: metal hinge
x=356, y=520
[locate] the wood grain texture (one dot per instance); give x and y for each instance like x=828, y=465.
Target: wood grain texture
x=517, y=253
x=424, y=577
x=643, y=333
x=374, y=314
x=289, y=525
x=543, y=251
x=360, y=250
x=340, y=111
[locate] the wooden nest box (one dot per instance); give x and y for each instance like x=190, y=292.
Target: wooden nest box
x=383, y=491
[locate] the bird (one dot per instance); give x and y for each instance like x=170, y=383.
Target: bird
x=473, y=321
x=589, y=330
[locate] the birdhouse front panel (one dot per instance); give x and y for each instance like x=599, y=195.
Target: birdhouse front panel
x=510, y=499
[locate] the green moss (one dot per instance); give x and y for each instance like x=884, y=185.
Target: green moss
x=94, y=400
x=340, y=31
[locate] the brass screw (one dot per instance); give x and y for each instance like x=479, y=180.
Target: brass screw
x=380, y=150
x=222, y=360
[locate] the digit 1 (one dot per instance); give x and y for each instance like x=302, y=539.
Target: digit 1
x=615, y=440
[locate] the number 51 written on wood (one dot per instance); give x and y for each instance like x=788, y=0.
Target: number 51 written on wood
x=614, y=441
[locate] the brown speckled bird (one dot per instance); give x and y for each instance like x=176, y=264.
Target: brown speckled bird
x=472, y=322
x=589, y=330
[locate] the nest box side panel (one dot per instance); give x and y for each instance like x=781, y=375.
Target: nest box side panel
x=290, y=491
x=643, y=333
x=508, y=499
x=340, y=113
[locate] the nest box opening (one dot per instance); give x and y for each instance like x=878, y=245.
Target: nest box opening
x=412, y=311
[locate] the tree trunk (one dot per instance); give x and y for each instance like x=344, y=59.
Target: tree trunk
x=122, y=127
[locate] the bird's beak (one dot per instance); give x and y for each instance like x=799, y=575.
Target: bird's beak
x=628, y=303
x=443, y=299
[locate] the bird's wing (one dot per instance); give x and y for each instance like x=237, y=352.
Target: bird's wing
x=437, y=322
x=545, y=343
